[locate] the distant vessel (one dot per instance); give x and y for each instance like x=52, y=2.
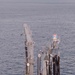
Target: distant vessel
x=47, y=62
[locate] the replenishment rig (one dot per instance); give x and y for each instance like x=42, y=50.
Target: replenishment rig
x=48, y=60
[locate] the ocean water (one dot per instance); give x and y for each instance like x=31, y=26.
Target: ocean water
x=44, y=18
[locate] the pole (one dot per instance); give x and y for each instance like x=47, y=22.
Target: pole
x=50, y=72
x=58, y=65
x=39, y=64
x=54, y=66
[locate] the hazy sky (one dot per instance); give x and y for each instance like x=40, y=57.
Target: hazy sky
x=54, y=1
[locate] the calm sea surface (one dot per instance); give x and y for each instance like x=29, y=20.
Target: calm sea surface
x=44, y=19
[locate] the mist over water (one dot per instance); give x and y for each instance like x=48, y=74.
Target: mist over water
x=45, y=17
